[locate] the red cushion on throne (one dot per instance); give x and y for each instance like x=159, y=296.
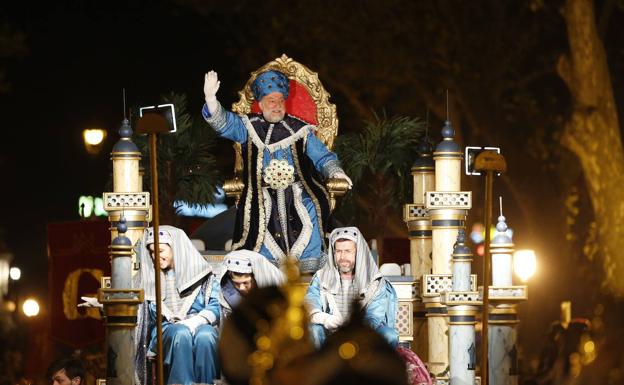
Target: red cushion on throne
x=299, y=103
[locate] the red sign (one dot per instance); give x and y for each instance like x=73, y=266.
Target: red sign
x=78, y=258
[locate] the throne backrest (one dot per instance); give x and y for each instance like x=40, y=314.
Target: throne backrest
x=307, y=100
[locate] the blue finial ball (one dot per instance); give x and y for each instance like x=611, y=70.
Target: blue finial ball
x=424, y=147
x=121, y=226
x=447, y=131
x=125, y=131
x=501, y=226
x=461, y=236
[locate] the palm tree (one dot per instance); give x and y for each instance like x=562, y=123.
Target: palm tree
x=378, y=159
x=187, y=168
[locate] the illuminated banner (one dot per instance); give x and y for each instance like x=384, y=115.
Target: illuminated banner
x=88, y=205
x=78, y=258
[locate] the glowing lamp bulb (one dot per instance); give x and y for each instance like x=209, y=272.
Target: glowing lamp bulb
x=15, y=273
x=525, y=264
x=93, y=136
x=9, y=306
x=30, y=308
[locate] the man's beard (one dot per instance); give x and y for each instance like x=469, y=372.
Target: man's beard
x=345, y=268
x=273, y=117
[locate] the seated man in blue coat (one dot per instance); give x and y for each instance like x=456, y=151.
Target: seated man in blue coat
x=244, y=271
x=350, y=274
x=190, y=307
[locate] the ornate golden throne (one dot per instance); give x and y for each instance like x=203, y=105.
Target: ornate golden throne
x=308, y=101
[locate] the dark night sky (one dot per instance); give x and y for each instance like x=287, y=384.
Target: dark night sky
x=79, y=59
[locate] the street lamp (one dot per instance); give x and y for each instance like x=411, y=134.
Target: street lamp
x=93, y=136
x=30, y=307
x=9, y=306
x=93, y=139
x=525, y=264
x=15, y=273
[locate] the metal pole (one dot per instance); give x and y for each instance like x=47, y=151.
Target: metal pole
x=153, y=124
x=489, y=176
x=155, y=223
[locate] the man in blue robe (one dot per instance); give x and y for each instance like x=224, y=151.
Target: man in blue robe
x=244, y=271
x=284, y=207
x=349, y=275
x=190, y=309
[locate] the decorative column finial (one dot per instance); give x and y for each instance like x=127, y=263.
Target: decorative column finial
x=448, y=143
x=125, y=130
x=461, y=250
x=501, y=237
x=121, y=226
x=125, y=145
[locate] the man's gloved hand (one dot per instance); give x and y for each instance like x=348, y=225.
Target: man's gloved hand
x=332, y=322
x=342, y=175
x=211, y=86
x=194, y=322
x=90, y=302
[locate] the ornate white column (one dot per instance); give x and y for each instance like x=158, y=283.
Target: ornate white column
x=128, y=209
x=418, y=223
x=447, y=207
x=503, y=318
x=463, y=304
x=127, y=197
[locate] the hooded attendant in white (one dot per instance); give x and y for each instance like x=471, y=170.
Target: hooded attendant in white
x=245, y=270
x=190, y=307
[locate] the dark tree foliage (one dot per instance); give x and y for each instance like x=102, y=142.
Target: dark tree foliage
x=187, y=169
x=378, y=159
x=12, y=46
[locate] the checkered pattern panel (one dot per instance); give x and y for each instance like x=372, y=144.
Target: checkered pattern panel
x=404, y=320
x=451, y=199
x=118, y=201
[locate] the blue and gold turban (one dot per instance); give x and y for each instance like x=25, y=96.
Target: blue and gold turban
x=270, y=81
